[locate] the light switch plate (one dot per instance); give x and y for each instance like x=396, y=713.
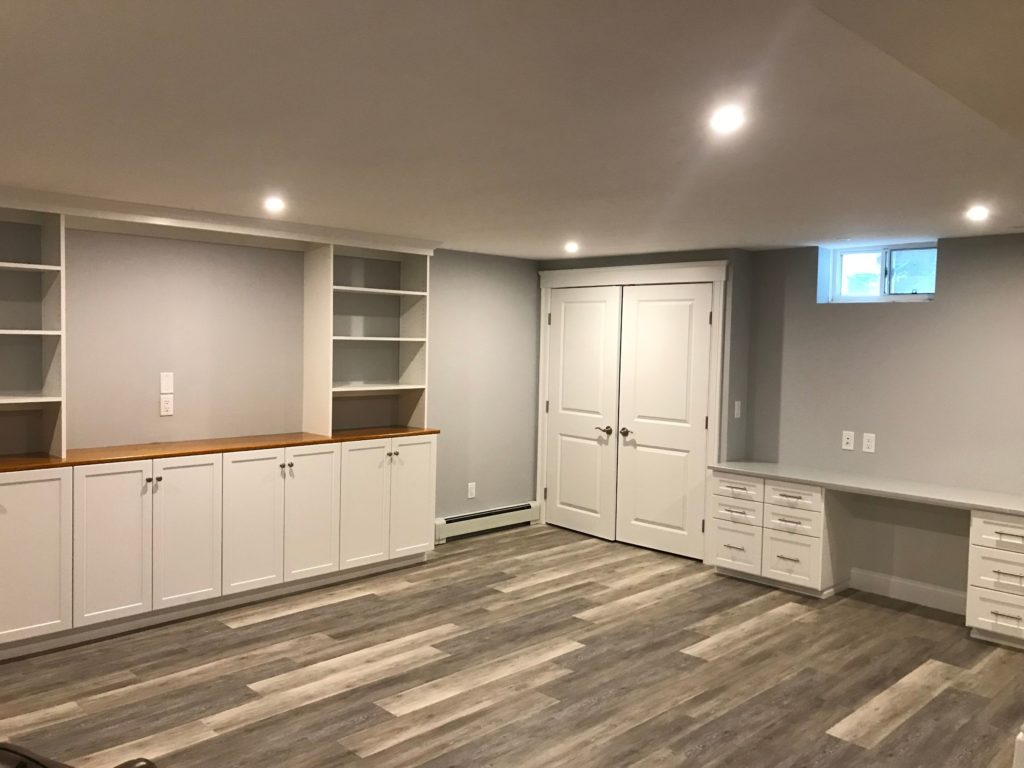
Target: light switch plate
x=737, y=409
x=868, y=443
x=848, y=440
x=167, y=383
x=471, y=490
x=166, y=405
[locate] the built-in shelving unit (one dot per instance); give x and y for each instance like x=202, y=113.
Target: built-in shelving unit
x=31, y=333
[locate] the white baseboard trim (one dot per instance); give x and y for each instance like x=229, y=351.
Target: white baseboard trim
x=1018, y=755
x=920, y=592
x=482, y=521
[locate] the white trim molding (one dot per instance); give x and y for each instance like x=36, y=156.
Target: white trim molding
x=713, y=272
x=918, y=592
x=1018, y=755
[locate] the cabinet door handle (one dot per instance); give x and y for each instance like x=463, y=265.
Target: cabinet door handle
x=396, y=453
x=390, y=454
x=159, y=478
x=149, y=479
x=788, y=559
x=291, y=464
x=734, y=546
x=1008, y=573
x=281, y=466
x=1010, y=535
x=999, y=615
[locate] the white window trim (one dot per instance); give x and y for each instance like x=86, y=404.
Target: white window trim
x=834, y=295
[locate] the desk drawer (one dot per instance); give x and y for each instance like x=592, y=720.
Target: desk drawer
x=792, y=558
x=737, y=486
x=737, y=511
x=996, y=530
x=735, y=546
x=806, y=522
x=794, y=495
x=993, y=569
x=995, y=612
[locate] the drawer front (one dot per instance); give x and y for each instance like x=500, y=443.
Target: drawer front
x=794, y=495
x=792, y=558
x=805, y=522
x=999, y=531
x=737, y=511
x=996, y=612
x=992, y=569
x=737, y=486
x=735, y=546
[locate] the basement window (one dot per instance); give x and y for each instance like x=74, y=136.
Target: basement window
x=878, y=273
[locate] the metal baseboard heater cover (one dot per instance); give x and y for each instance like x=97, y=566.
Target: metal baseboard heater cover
x=485, y=520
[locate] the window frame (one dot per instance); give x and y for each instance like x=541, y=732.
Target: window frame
x=885, y=294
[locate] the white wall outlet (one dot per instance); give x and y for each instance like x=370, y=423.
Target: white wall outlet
x=868, y=443
x=848, y=440
x=166, y=383
x=166, y=405
x=470, y=490
x=737, y=409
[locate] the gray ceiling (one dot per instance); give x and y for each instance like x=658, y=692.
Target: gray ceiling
x=509, y=126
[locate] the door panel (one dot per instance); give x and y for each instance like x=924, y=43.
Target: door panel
x=365, y=496
x=583, y=368
x=312, y=510
x=666, y=352
x=253, y=519
x=187, y=506
x=413, y=485
x=113, y=541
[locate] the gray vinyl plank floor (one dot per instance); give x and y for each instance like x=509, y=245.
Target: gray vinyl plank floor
x=531, y=647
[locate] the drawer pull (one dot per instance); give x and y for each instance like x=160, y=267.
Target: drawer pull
x=787, y=520
x=737, y=488
x=1007, y=573
x=1010, y=535
x=788, y=559
x=792, y=496
x=732, y=511
x=999, y=615
x=734, y=546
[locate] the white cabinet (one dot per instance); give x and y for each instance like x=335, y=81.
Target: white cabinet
x=365, y=496
x=113, y=541
x=186, y=529
x=253, y=519
x=995, y=590
x=35, y=550
x=387, y=507
x=413, y=484
x=311, y=510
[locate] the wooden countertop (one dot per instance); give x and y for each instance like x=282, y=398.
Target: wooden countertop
x=107, y=454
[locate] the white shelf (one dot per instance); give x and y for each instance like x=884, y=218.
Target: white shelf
x=378, y=291
x=379, y=338
x=28, y=333
x=27, y=398
x=18, y=266
x=377, y=387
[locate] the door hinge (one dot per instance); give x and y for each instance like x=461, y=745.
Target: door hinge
x=710, y=315
x=545, y=494
x=705, y=422
x=549, y=318
x=547, y=405
x=702, y=526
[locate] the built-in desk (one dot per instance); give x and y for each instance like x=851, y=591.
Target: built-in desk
x=776, y=523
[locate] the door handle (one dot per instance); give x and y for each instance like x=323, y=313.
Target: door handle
x=625, y=432
x=607, y=430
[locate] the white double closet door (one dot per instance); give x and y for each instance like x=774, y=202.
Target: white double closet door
x=628, y=373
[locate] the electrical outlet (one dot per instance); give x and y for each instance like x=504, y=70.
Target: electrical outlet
x=868, y=443
x=471, y=490
x=166, y=383
x=848, y=440
x=166, y=405
x=737, y=409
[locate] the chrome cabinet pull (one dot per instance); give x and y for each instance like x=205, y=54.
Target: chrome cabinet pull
x=733, y=546
x=1007, y=573
x=1011, y=535
x=787, y=520
x=999, y=615
x=736, y=488
x=732, y=511
x=788, y=559
x=790, y=496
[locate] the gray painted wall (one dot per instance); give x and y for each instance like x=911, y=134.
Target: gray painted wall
x=737, y=330
x=940, y=383
x=484, y=315
x=227, y=320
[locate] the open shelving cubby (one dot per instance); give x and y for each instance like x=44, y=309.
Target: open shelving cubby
x=31, y=333
x=379, y=338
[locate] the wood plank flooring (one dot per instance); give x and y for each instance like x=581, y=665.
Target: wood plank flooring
x=531, y=647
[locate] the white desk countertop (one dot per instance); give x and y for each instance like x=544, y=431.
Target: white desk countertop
x=890, y=488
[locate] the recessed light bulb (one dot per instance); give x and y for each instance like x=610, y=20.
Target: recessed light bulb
x=572, y=247
x=273, y=204
x=977, y=213
x=728, y=119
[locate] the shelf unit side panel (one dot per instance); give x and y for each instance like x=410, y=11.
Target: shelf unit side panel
x=317, y=344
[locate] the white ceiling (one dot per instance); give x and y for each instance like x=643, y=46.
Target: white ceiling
x=510, y=126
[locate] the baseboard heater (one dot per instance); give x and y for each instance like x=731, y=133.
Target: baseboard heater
x=487, y=520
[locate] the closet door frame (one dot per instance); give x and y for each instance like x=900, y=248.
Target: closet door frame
x=713, y=272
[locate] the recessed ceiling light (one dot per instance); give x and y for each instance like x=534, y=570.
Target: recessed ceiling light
x=572, y=247
x=977, y=213
x=273, y=204
x=728, y=119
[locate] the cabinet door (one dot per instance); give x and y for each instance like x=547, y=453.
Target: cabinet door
x=253, y=519
x=35, y=550
x=413, y=470
x=311, y=510
x=113, y=541
x=186, y=529
x=365, y=495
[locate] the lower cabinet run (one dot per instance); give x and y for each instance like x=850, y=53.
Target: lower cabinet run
x=311, y=502
x=253, y=519
x=35, y=550
x=995, y=591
